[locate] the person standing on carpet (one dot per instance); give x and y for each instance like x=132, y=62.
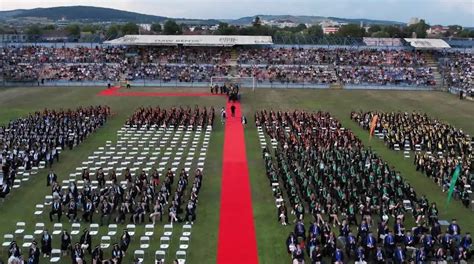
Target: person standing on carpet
x=232, y=110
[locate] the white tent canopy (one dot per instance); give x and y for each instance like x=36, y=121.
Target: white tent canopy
x=428, y=43
x=190, y=40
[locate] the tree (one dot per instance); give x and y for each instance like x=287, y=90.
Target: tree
x=466, y=33
x=156, y=27
x=113, y=31
x=380, y=34
x=257, y=22
x=49, y=27
x=130, y=29
x=172, y=28
x=284, y=36
x=315, y=31
x=419, y=28
x=299, y=28
x=394, y=31
x=375, y=28
x=184, y=27
x=225, y=29
x=90, y=28
x=34, y=32
x=351, y=30
x=73, y=30
x=257, y=31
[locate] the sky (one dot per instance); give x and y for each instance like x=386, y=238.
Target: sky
x=446, y=12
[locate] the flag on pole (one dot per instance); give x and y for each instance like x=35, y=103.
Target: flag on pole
x=373, y=123
x=452, y=185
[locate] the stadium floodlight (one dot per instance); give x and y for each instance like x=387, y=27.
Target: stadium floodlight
x=241, y=81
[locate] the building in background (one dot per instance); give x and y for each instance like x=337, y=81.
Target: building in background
x=437, y=30
x=281, y=23
x=331, y=26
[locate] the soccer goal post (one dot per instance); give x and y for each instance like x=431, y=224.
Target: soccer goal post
x=241, y=81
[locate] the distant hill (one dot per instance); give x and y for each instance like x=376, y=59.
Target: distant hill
x=312, y=20
x=100, y=14
x=91, y=14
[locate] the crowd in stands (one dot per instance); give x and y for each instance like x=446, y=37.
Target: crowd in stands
x=289, y=74
x=113, y=63
x=324, y=172
x=458, y=70
x=181, y=73
x=190, y=55
x=199, y=64
x=439, y=147
x=320, y=56
x=39, y=137
x=386, y=75
x=115, y=72
x=111, y=54
x=345, y=74
x=40, y=54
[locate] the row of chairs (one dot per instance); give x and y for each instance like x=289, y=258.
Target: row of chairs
x=263, y=142
x=106, y=240
x=94, y=183
x=23, y=175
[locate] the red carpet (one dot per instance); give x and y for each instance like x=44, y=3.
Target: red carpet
x=113, y=91
x=237, y=241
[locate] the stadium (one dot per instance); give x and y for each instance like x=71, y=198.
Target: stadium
x=154, y=148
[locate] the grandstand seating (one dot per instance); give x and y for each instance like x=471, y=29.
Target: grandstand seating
x=306, y=66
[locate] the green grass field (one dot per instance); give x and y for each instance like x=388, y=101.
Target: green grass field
x=19, y=206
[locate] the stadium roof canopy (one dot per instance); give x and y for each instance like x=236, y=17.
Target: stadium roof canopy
x=190, y=40
x=427, y=43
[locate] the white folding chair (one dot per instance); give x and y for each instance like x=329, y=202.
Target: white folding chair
x=187, y=230
x=131, y=229
x=144, y=242
x=168, y=229
x=93, y=229
x=55, y=255
x=184, y=243
x=57, y=228
x=112, y=230
x=105, y=242
x=39, y=208
x=181, y=256
x=75, y=229
x=160, y=256
x=149, y=230
x=48, y=200
x=20, y=228
x=27, y=240
x=39, y=229
x=139, y=254
x=164, y=242
x=16, y=183
x=7, y=240
x=26, y=177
